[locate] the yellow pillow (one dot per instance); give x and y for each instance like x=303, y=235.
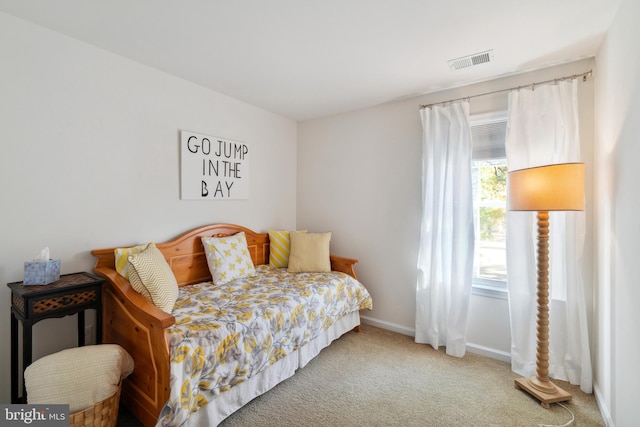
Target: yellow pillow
x=152, y=277
x=228, y=258
x=122, y=258
x=279, y=248
x=309, y=252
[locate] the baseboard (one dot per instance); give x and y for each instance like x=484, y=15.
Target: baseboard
x=489, y=352
x=604, y=408
x=388, y=326
x=472, y=348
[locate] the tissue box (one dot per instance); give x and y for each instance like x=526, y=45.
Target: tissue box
x=41, y=272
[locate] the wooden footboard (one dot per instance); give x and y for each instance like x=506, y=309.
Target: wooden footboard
x=139, y=327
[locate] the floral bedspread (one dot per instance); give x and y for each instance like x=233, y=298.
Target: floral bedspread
x=226, y=334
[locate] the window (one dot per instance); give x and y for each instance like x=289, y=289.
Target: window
x=489, y=175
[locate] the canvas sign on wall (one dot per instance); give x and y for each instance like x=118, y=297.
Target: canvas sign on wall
x=213, y=168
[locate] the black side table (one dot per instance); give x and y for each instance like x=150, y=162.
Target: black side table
x=72, y=294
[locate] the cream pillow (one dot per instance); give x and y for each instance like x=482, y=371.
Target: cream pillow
x=279, y=248
x=79, y=377
x=309, y=252
x=122, y=258
x=152, y=277
x=228, y=258
x=136, y=283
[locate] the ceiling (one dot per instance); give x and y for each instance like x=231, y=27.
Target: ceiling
x=305, y=59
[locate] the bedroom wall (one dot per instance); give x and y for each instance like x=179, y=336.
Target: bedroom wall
x=617, y=104
x=89, y=158
x=359, y=175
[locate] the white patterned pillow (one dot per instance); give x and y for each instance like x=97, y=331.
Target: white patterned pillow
x=122, y=258
x=228, y=258
x=152, y=277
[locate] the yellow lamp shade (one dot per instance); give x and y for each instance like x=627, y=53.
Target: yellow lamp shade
x=558, y=187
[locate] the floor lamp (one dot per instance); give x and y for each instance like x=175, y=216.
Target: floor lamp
x=558, y=187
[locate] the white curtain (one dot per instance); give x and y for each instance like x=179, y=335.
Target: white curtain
x=445, y=258
x=543, y=128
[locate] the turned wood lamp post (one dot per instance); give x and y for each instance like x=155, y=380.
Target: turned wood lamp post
x=558, y=187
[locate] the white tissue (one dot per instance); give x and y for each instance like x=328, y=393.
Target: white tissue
x=44, y=255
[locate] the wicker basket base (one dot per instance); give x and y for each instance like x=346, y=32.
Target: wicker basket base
x=102, y=414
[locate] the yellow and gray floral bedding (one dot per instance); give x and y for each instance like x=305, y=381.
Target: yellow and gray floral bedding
x=226, y=334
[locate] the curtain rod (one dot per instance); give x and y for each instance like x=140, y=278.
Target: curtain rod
x=584, y=76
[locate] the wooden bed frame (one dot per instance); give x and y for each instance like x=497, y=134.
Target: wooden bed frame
x=139, y=327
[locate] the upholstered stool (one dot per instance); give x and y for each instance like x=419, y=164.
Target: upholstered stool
x=88, y=379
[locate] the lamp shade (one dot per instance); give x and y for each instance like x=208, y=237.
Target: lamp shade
x=558, y=187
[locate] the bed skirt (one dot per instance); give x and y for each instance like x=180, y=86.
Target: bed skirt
x=238, y=396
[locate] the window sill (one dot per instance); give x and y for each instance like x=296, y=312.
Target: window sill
x=489, y=291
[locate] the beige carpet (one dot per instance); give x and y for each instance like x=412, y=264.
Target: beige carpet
x=379, y=378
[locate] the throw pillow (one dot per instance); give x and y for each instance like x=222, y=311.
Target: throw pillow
x=122, y=258
x=152, y=277
x=228, y=258
x=309, y=252
x=136, y=283
x=279, y=248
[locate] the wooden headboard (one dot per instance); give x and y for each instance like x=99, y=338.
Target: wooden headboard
x=185, y=254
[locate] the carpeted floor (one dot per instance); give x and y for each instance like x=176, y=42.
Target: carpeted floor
x=380, y=378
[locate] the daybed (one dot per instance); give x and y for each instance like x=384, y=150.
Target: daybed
x=220, y=346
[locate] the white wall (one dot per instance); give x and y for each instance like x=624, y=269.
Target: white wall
x=359, y=175
x=617, y=105
x=89, y=158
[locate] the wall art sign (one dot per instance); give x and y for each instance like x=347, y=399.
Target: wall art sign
x=213, y=168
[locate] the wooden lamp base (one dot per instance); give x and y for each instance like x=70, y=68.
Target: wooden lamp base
x=546, y=393
x=540, y=385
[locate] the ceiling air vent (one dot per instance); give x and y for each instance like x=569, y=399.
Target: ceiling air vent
x=471, y=60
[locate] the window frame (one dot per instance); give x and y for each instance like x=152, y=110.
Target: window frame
x=481, y=286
